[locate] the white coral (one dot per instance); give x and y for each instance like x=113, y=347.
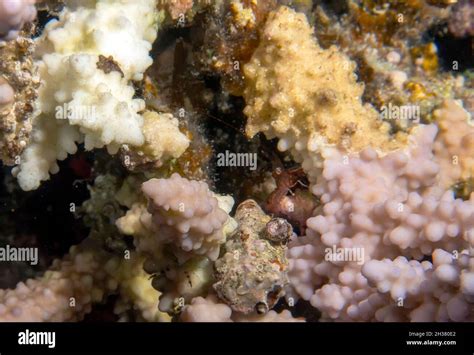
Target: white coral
x=78, y=100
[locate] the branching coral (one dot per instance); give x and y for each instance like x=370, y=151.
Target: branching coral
x=383, y=207
x=87, y=275
x=379, y=200
x=66, y=291
x=250, y=276
x=180, y=233
x=137, y=293
x=85, y=99
x=163, y=141
x=231, y=35
x=186, y=214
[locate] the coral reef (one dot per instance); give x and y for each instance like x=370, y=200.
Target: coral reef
x=397, y=55
x=349, y=206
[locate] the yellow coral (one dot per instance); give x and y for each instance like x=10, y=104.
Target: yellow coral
x=243, y=16
x=427, y=57
x=296, y=88
x=136, y=291
x=131, y=224
x=454, y=146
x=162, y=136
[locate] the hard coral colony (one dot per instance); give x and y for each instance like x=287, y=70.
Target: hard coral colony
x=363, y=212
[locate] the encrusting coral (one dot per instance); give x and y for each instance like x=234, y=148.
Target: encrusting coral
x=305, y=95
x=19, y=84
x=252, y=274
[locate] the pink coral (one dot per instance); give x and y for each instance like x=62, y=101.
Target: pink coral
x=209, y=309
x=7, y=94
x=460, y=22
x=186, y=214
x=384, y=207
x=65, y=292
x=206, y=310
x=13, y=15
